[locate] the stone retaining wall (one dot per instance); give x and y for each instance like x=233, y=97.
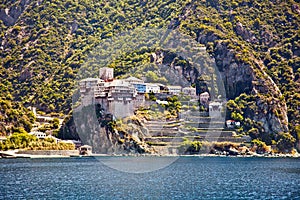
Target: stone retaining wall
x=50, y=152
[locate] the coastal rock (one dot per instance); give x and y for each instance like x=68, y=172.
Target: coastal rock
x=233, y=152
x=271, y=123
x=96, y=132
x=189, y=74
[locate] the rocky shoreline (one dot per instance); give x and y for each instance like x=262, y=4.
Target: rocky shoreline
x=68, y=154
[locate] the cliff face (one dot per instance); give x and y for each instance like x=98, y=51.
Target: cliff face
x=241, y=78
x=255, y=45
x=98, y=130
x=237, y=76
x=259, y=65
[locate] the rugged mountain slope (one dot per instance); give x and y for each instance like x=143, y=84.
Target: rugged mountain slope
x=255, y=45
x=257, y=53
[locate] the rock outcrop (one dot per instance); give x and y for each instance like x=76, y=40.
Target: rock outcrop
x=241, y=78
x=98, y=132
x=244, y=33
x=10, y=15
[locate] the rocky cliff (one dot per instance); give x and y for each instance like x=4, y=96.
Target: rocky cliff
x=255, y=45
x=98, y=130
x=240, y=77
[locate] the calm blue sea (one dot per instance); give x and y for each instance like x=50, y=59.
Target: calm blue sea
x=186, y=178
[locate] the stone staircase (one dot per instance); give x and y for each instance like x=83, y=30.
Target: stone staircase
x=167, y=136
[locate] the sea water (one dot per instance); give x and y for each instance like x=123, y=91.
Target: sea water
x=186, y=178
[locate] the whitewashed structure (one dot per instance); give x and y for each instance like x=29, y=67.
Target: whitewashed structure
x=121, y=97
x=190, y=91
x=88, y=90
x=38, y=134
x=174, y=89
x=215, y=109
x=152, y=88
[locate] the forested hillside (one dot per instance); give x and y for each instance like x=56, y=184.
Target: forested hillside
x=255, y=45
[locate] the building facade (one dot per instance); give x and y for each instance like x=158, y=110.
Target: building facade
x=215, y=109
x=152, y=88
x=190, y=91
x=117, y=97
x=139, y=84
x=174, y=89
x=88, y=90
x=121, y=97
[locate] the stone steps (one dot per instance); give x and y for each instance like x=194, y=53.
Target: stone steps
x=169, y=133
x=168, y=136
x=177, y=141
x=205, y=125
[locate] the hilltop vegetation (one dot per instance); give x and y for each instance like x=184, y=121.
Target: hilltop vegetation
x=255, y=45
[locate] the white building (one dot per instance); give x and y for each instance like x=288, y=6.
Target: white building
x=89, y=84
x=174, y=89
x=162, y=102
x=88, y=88
x=150, y=87
x=117, y=97
x=215, y=109
x=85, y=150
x=39, y=135
x=189, y=91
x=2, y=138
